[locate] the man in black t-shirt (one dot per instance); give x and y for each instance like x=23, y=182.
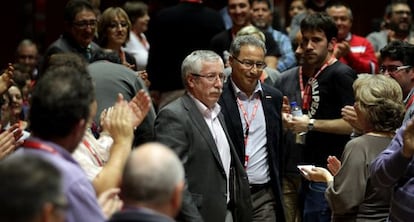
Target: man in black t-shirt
x=327, y=91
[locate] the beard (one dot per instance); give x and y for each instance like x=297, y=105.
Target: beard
x=397, y=29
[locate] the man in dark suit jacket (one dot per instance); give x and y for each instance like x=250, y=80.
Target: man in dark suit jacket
x=252, y=112
x=217, y=188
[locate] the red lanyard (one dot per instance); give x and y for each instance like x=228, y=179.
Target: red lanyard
x=301, y=82
x=39, y=146
x=248, y=122
x=410, y=102
x=192, y=1
x=307, y=94
x=88, y=146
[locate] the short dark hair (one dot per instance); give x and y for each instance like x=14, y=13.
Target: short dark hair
x=265, y=1
x=400, y=51
x=320, y=21
x=73, y=7
x=28, y=182
x=60, y=99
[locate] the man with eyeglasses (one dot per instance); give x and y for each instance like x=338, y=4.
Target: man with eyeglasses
x=79, y=31
x=253, y=116
x=398, y=23
x=393, y=168
x=192, y=125
x=398, y=63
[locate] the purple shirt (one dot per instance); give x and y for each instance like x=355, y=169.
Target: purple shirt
x=78, y=190
x=392, y=169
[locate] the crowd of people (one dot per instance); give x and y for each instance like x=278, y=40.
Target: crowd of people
x=186, y=116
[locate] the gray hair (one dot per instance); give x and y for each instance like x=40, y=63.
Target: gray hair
x=151, y=174
x=243, y=40
x=380, y=98
x=193, y=62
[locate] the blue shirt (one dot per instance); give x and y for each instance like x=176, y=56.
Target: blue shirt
x=78, y=190
x=287, y=60
x=392, y=169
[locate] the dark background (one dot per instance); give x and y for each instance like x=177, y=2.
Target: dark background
x=42, y=20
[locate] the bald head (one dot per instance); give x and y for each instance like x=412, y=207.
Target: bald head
x=152, y=175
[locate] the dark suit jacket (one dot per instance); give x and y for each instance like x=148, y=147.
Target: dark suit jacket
x=181, y=126
x=272, y=106
x=139, y=215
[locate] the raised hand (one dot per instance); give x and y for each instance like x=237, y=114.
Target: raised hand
x=140, y=106
x=6, y=79
x=9, y=140
x=333, y=164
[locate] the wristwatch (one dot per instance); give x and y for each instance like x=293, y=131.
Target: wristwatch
x=311, y=124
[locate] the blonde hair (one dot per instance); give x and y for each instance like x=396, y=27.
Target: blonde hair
x=252, y=30
x=380, y=98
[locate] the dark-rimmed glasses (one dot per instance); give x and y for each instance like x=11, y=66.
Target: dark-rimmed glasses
x=392, y=68
x=83, y=24
x=211, y=77
x=249, y=64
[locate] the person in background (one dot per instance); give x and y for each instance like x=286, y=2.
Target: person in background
x=216, y=183
x=252, y=112
x=137, y=45
x=240, y=12
x=350, y=194
x=17, y=115
x=398, y=26
x=111, y=78
x=27, y=53
x=398, y=63
x=353, y=50
x=311, y=6
x=113, y=31
x=31, y=190
x=80, y=24
x=152, y=185
x=262, y=17
x=104, y=158
x=296, y=7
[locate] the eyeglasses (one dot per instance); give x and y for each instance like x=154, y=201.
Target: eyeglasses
x=83, y=24
x=114, y=25
x=392, y=68
x=402, y=12
x=249, y=64
x=211, y=77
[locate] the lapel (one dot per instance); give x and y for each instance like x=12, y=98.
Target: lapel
x=232, y=113
x=200, y=124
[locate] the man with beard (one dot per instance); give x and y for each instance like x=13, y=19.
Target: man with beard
x=398, y=19
x=325, y=93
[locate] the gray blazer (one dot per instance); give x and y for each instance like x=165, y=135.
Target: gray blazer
x=181, y=126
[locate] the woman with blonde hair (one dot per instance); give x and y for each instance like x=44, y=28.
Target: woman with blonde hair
x=351, y=197
x=113, y=33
